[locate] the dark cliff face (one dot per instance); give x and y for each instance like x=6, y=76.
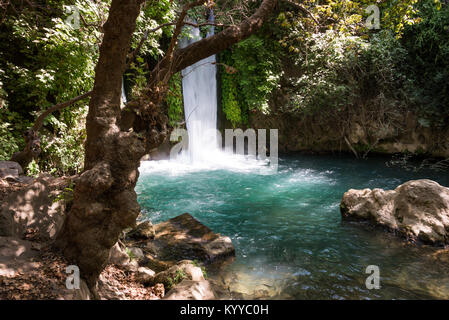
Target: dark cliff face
x=355, y=133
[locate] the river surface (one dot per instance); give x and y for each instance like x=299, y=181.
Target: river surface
x=286, y=227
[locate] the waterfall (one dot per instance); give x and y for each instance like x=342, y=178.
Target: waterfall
x=200, y=102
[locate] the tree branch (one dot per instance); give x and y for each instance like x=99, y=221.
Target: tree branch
x=208, y=46
x=40, y=119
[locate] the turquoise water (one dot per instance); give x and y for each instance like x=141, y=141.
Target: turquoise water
x=286, y=227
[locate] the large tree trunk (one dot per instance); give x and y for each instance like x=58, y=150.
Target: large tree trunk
x=105, y=202
x=104, y=199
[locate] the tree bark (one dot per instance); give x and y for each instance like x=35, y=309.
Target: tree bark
x=104, y=199
x=105, y=202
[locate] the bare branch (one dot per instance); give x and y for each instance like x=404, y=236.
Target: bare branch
x=40, y=120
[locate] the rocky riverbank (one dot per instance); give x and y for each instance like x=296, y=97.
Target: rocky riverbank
x=164, y=261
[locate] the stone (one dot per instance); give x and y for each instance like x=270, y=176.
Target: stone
x=184, y=237
x=191, y=290
x=144, y=275
x=10, y=169
x=417, y=210
x=143, y=231
x=136, y=253
x=183, y=270
x=32, y=211
x=118, y=255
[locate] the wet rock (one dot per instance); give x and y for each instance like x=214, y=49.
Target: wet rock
x=191, y=290
x=143, y=231
x=417, y=210
x=184, y=237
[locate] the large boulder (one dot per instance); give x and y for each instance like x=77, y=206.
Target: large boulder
x=417, y=209
x=184, y=237
x=32, y=211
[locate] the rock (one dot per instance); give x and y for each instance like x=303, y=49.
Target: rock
x=183, y=270
x=32, y=211
x=191, y=290
x=184, y=237
x=144, y=275
x=136, y=253
x=417, y=209
x=143, y=231
x=10, y=169
x=118, y=255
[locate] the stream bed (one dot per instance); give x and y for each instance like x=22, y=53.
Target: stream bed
x=286, y=227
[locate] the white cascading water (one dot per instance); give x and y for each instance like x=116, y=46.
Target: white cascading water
x=199, y=84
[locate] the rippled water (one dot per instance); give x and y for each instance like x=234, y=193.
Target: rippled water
x=286, y=227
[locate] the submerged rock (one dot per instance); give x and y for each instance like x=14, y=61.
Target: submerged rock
x=417, y=210
x=184, y=237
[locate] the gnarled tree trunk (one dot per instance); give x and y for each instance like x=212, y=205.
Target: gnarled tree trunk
x=104, y=198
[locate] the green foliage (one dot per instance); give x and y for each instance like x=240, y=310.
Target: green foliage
x=427, y=63
x=138, y=74
x=66, y=195
x=256, y=61
x=153, y=14
x=178, y=277
x=229, y=93
x=203, y=269
x=340, y=71
x=174, y=100
x=10, y=140
x=130, y=254
x=45, y=61
x=33, y=169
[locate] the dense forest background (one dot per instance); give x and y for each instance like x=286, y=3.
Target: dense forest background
x=315, y=70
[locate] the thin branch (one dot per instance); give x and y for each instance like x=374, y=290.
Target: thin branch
x=40, y=120
x=179, y=25
x=303, y=9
